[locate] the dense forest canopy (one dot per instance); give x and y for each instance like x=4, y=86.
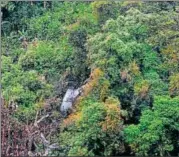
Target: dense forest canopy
x=121, y=57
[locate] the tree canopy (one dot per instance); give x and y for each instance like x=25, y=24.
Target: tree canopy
x=124, y=58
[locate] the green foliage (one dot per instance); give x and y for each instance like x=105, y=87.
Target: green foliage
x=18, y=13
x=47, y=58
x=174, y=85
x=91, y=134
x=24, y=88
x=64, y=18
x=127, y=51
x=104, y=10
x=115, y=49
x=156, y=134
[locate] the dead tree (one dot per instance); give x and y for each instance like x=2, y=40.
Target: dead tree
x=20, y=139
x=13, y=134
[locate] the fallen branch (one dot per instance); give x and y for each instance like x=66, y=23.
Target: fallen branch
x=45, y=142
x=41, y=119
x=48, y=146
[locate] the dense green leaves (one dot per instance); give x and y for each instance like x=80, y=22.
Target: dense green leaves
x=127, y=51
x=157, y=132
x=98, y=129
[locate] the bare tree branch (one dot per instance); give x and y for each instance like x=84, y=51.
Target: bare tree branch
x=41, y=119
x=54, y=146
x=45, y=142
x=48, y=146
